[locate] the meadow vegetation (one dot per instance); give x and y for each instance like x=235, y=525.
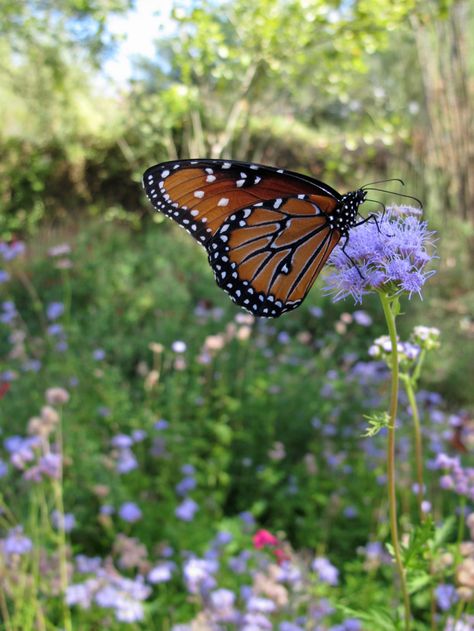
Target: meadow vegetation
x=167, y=461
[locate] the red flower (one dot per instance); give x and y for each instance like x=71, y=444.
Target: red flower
x=264, y=538
x=4, y=388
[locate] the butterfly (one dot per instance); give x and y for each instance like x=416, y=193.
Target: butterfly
x=268, y=232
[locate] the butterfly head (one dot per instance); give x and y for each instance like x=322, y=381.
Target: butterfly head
x=347, y=209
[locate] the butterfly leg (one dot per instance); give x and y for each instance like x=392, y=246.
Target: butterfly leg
x=350, y=258
x=372, y=216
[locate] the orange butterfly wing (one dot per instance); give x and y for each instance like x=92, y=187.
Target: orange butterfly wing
x=200, y=194
x=266, y=230
x=267, y=256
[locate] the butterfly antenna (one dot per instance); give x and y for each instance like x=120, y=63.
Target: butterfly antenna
x=394, y=179
x=381, y=190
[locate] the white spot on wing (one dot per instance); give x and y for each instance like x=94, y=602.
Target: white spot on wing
x=223, y=200
x=199, y=194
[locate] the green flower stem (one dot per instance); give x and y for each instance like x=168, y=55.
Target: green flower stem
x=62, y=543
x=390, y=317
x=408, y=382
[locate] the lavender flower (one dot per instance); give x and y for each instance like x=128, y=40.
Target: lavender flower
x=54, y=310
x=130, y=512
x=187, y=484
x=65, y=521
x=186, y=509
x=98, y=354
x=126, y=461
x=326, y=571
x=161, y=573
x=390, y=253
x=4, y=276
x=199, y=575
x=16, y=543
x=446, y=596
x=10, y=251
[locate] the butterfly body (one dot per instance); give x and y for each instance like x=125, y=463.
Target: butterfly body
x=268, y=232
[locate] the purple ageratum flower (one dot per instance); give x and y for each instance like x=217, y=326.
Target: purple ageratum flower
x=160, y=424
x=16, y=543
x=188, y=469
x=54, y=310
x=31, y=365
x=4, y=276
x=9, y=312
x=187, y=484
x=138, y=435
x=326, y=571
x=121, y=441
x=199, y=575
x=130, y=512
x=362, y=318
x=98, y=354
x=186, y=510
x=446, y=596
x=87, y=565
x=21, y=450
x=257, y=604
x=65, y=521
x=126, y=461
x=3, y=468
x=289, y=626
x=10, y=251
x=161, y=573
x=81, y=593
x=223, y=538
x=222, y=602
x=394, y=252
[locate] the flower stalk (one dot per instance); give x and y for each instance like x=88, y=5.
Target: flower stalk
x=390, y=307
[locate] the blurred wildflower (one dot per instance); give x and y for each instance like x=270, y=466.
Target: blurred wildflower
x=131, y=552
x=186, y=485
x=161, y=573
x=277, y=452
x=16, y=543
x=397, y=261
x=178, y=346
x=199, y=575
x=56, y=396
x=8, y=313
x=4, y=276
x=10, y=251
x=87, y=565
x=98, y=354
x=54, y=310
x=446, y=596
x=326, y=571
x=63, y=521
x=426, y=337
x=62, y=249
x=362, y=318
x=264, y=538
x=110, y=590
x=130, y=512
x=186, y=510
x=221, y=602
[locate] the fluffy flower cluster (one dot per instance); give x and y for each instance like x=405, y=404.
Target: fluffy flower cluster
x=456, y=477
x=392, y=252
x=382, y=349
x=110, y=590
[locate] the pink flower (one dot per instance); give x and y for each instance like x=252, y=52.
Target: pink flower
x=264, y=538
